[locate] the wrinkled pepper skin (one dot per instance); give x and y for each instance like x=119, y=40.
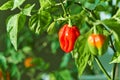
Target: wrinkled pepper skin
x=67, y=37
x=96, y=40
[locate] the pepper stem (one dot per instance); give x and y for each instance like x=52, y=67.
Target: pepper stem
x=63, y=7
x=69, y=22
x=95, y=31
x=65, y=12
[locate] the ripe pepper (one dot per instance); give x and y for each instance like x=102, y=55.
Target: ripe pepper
x=28, y=62
x=96, y=40
x=67, y=37
x=96, y=43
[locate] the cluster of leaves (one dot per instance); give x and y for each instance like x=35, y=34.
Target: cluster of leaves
x=12, y=60
x=108, y=27
x=86, y=15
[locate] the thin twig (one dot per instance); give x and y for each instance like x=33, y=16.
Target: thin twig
x=115, y=65
x=102, y=68
x=63, y=7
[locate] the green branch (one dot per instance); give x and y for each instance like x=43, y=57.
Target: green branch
x=102, y=68
x=63, y=7
x=112, y=46
x=115, y=65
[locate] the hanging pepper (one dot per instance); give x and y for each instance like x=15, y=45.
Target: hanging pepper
x=67, y=37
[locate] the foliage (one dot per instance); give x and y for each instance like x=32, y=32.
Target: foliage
x=43, y=18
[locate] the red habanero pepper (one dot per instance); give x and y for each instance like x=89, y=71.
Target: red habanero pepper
x=67, y=37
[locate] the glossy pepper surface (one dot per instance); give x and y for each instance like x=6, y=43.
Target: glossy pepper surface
x=67, y=37
x=96, y=40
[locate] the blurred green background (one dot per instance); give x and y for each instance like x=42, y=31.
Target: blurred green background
x=52, y=62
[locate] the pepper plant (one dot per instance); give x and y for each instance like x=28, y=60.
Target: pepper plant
x=87, y=34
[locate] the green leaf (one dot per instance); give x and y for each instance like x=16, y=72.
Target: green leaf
x=27, y=10
x=3, y=62
x=113, y=24
x=7, y=5
x=39, y=22
x=117, y=15
x=102, y=6
x=91, y=61
x=90, y=5
x=14, y=24
x=52, y=76
x=51, y=29
x=82, y=16
x=65, y=60
x=12, y=29
x=27, y=49
x=46, y=3
x=104, y=48
x=15, y=72
x=17, y=3
x=16, y=57
x=21, y=21
x=116, y=58
x=117, y=45
x=93, y=49
x=81, y=53
x=40, y=63
x=54, y=46
x=64, y=75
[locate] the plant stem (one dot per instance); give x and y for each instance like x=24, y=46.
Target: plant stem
x=102, y=68
x=112, y=46
x=70, y=23
x=66, y=14
x=95, y=31
x=63, y=7
x=114, y=71
x=115, y=65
